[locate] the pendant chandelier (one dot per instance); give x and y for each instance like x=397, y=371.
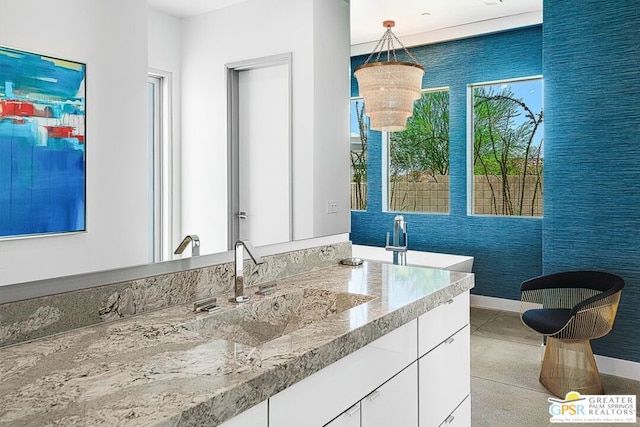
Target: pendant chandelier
x=390, y=87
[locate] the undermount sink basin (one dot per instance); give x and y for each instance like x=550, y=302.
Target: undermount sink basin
x=255, y=323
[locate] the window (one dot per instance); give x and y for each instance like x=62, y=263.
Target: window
x=358, y=145
x=418, y=157
x=507, y=148
x=160, y=169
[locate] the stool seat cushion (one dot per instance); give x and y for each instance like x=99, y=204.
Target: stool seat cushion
x=546, y=321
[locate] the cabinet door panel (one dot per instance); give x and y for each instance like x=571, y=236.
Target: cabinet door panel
x=395, y=403
x=349, y=418
x=252, y=417
x=461, y=417
x=318, y=398
x=444, y=378
x=441, y=322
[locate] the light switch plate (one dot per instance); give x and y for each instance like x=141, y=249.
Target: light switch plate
x=332, y=206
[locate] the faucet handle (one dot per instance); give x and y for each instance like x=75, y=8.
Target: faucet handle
x=195, y=245
x=266, y=289
x=207, y=304
x=252, y=251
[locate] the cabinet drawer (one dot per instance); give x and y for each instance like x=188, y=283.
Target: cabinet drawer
x=444, y=378
x=318, y=398
x=443, y=321
x=461, y=417
x=395, y=403
x=349, y=418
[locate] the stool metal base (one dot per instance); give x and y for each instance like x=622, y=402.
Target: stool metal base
x=569, y=365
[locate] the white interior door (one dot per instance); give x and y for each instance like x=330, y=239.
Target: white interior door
x=264, y=155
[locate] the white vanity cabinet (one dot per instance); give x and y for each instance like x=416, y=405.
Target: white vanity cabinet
x=256, y=416
x=445, y=367
x=415, y=376
x=440, y=323
x=461, y=417
x=349, y=418
x=444, y=379
x=319, y=398
x=395, y=403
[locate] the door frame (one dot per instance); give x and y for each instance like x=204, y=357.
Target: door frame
x=233, y=138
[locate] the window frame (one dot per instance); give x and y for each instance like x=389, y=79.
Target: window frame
x=471, y=140
x=160, y=148
x=386, y=166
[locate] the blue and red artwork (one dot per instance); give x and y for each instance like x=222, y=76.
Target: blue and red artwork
x=42, y=144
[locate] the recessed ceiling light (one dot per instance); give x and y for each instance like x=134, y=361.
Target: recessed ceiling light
x=426, y=14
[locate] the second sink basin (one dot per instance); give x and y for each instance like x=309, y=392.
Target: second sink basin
x=255, y=323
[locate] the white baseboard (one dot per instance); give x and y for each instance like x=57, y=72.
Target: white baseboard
x=606, y=365
x=618, y=367
x=493, y=303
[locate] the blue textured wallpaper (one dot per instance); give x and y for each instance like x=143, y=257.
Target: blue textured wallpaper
x=592, y=158
x=506, y=250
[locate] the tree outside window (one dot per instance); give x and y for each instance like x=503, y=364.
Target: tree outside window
x=508, y=148
x=419, y=158
x=358, y=145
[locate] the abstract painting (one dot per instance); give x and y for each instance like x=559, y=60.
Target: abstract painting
x=42, y=144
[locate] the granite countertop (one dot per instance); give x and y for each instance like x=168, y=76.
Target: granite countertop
x=176, y=367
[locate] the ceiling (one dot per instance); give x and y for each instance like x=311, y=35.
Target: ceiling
x=411, y=16
x=187, y=8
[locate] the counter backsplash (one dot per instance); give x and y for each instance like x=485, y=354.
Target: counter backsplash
x=39, y=317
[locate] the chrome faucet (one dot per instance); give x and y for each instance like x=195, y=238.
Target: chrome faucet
x=399, y=244
x=239, y=282
x=195, y=245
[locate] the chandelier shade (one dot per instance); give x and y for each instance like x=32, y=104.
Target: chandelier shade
x=389, y=90
x=389, y=87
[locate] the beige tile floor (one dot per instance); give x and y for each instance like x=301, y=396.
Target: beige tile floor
x=505, y=364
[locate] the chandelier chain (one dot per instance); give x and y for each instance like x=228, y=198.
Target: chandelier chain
x=409, y=54
x=389, y=38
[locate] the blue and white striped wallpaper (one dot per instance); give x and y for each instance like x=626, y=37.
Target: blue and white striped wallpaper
x=506, y=250
x=591, y=67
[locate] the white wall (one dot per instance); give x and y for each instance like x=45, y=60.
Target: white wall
x=332, y=88
x=110, y=36
x=319, y=102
